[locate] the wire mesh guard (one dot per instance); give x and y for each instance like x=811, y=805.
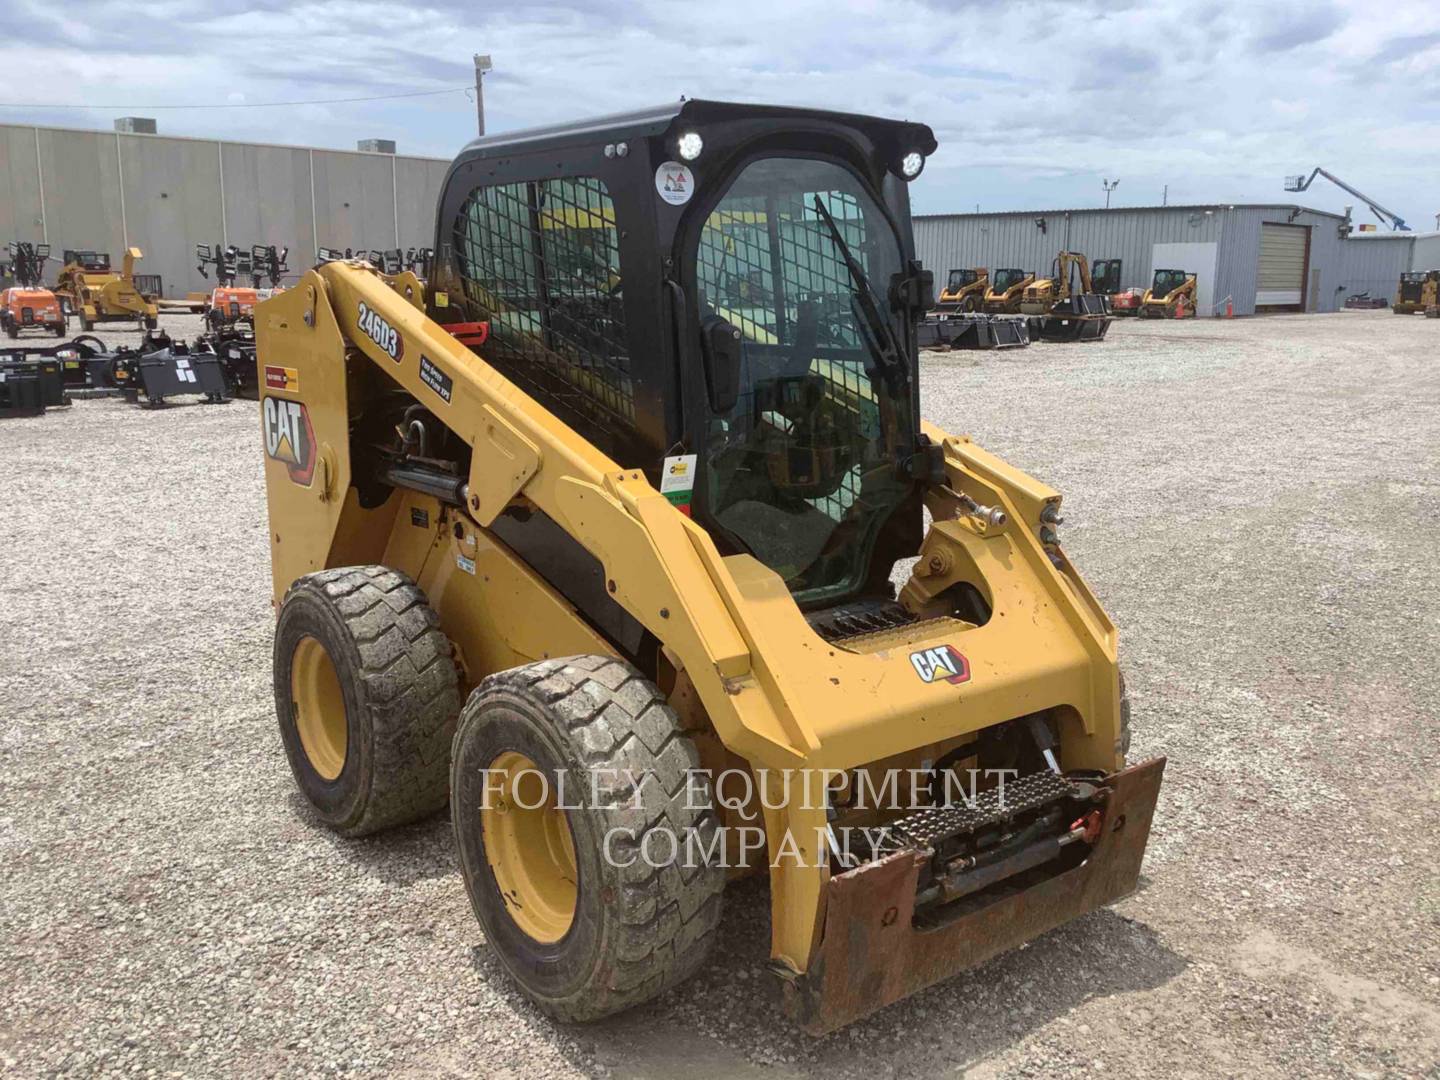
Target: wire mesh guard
x=769, y=264
x=541, y=261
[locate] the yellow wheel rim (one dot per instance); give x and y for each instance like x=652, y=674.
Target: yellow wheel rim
x=529, y=847
x=319, y=708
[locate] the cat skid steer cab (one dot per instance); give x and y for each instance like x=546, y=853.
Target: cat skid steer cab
x=592, y=536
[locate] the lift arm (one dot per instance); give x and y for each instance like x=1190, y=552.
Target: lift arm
x=1299, y=183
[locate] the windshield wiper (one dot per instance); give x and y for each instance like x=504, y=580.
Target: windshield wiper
x=880, y=335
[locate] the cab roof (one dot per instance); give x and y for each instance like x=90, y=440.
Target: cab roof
x=656, y=120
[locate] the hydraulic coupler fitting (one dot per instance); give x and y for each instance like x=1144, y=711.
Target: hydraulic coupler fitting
x=991, y=516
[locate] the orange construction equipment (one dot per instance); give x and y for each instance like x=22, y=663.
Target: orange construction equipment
x=28, y=305
x=30, y=309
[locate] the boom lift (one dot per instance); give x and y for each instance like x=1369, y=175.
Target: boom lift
x=639, y=544
x=1302, y=183
x=97, y=293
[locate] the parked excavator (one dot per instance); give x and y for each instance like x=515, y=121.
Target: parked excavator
x=1107, y=276
x=1065, y=306
x=615, y=581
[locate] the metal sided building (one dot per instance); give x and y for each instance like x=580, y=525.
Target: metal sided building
x=109, y=190
x=1260, y=257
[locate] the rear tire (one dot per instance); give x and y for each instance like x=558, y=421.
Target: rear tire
x=621, y=928
x=366, y=694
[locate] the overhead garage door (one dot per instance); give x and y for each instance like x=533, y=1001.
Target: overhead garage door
x=1281, y=281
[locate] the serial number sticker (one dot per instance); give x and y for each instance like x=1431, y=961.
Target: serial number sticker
x=468, y=565
x=435, y=379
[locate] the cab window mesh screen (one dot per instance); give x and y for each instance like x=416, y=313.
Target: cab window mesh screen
x=768, y=264
x=541, y=262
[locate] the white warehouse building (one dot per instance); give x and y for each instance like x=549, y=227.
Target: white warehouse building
x=1256, y=257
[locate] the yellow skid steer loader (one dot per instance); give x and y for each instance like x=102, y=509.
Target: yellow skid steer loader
x=593, y=539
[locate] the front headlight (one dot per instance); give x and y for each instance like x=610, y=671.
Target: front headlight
x=689, y=145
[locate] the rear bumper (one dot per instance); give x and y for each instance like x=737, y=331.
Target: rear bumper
x=871, y=954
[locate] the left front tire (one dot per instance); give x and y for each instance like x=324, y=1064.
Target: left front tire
x=586, y=833
x=366, y=694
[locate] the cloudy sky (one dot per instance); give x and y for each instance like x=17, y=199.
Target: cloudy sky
x=1033, y=102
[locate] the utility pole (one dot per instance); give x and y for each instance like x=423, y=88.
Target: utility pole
x=482, y=65
x=1165, y=196
x=1109, y=186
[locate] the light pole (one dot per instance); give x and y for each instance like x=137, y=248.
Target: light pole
x=1109, y=186
x=482, y=65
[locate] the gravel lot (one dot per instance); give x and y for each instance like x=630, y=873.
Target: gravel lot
x=1249, y=499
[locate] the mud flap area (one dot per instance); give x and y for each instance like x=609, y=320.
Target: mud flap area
x=874, y=951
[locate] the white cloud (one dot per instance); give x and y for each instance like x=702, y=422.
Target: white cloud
x=1032, y=102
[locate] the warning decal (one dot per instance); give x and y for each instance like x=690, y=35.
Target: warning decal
x=675, y=183
x=282, y=378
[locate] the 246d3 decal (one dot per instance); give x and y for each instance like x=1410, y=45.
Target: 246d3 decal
x=289, y=438
x=374, y=326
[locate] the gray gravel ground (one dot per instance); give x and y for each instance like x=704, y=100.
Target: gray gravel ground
x=1253, y=500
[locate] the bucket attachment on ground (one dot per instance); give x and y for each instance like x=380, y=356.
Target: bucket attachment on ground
x=973, y=331
x=21, y=393
x=162, y=369
x=37, y=376
x=234, y=346
x=84, y=362
x=1083, y=317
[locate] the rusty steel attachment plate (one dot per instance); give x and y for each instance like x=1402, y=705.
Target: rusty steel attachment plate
x=873, y=952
